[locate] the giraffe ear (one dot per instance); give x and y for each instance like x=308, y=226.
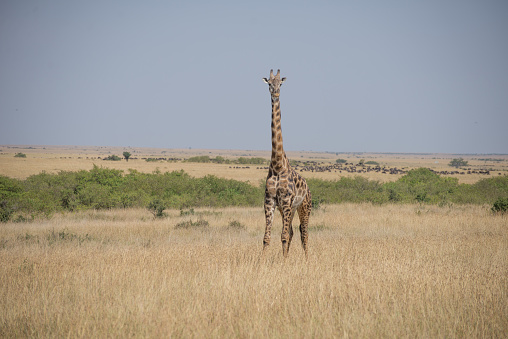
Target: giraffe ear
x=265, y=80
x=282, y=80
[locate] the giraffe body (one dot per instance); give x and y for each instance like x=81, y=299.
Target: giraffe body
x=285, y=188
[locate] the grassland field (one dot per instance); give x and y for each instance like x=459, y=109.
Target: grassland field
x=53, y=159
x=373, y=271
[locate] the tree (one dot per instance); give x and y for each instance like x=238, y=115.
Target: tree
x=126, y=155
x=458, y=162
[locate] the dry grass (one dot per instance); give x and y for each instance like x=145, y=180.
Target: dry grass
x=53, y=159
x=372, y=271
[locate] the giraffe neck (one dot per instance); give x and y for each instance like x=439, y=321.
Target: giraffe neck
x=278, y=156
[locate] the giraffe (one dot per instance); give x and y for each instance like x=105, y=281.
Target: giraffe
x=285, y=189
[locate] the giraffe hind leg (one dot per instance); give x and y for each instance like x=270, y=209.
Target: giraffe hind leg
x=290, y=227
x=303, y=215
x=287, y=230
x=290, y=234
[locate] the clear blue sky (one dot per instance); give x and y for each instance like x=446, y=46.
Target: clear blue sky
x=362, y=76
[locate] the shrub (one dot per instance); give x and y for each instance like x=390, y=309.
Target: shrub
x=235, y=224
x=220, y=160
x=103, y=188
x=500, y=206
x=201, y=159
x=113, y=158
x=6, y=211
x=421, y=185
x=20, y=155
x=188, y=212
x=341, y=161
x=357, y=189
x=316, y=203
x=157, y=208
x=11, y=191
x=97, y=196
x=201, y=223
x=251, y=161
x=486, y=190
x=393, y=195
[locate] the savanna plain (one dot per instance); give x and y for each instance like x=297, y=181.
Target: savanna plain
x=373, y=271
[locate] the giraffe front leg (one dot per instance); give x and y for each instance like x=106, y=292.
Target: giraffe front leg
x=269, y=212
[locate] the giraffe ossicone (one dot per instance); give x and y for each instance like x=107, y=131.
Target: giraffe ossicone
x=285, y=188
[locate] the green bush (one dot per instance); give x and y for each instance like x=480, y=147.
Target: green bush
x=421, y=185
x=357, y=189
x=20, y=155
x=157, y=208
x=11, y=192
x=500, y=205
x=200, y=159
x=6, y=211
x=103, y=188
x=113, y=158
x=484, y=191
x=220, y=160
x=251, y=161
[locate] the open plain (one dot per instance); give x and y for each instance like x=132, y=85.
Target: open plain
x=373, y=271
x=53, y=159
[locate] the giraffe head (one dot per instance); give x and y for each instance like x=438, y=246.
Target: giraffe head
x=274, y=83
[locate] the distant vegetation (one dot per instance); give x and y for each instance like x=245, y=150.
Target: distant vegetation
x=222, y=160
x=491, y=159
x=459, y=162
x=113, y=158
x=20, y=155
x=101, y=188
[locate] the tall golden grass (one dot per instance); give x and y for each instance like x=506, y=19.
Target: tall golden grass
x=372, y=271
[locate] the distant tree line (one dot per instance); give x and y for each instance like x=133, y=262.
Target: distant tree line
x=222, y=160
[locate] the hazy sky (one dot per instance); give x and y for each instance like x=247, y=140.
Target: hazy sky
x=362, y=76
